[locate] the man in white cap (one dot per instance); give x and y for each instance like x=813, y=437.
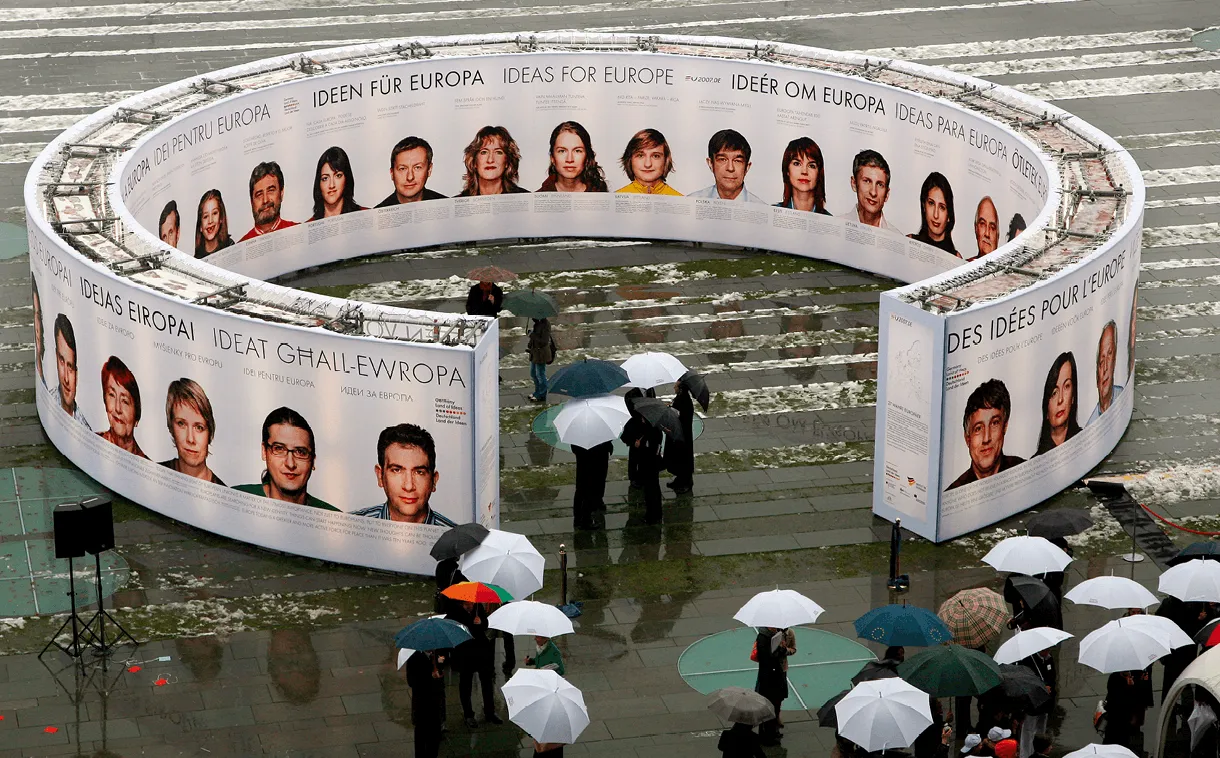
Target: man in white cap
x=972, y=742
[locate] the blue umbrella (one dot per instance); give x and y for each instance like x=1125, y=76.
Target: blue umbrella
x=432, y=634
x=588, y=377
x=903, y=625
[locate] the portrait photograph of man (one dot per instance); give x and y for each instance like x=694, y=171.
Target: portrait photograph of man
x=986, y=227
x=870, y=180
x=39, y=345
x=406, y=472
x=648, y=162
x=169, y=225
x=65, y=367
x=289, y=455
x=1107, y=357
x=410, y=169
x=984, y=425
x=266, y=198
x=728, y=157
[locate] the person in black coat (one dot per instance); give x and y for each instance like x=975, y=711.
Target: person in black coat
x=476, y=656
x=740, y=741
x=484, y=299
x=426, y=679
x=1191, y=617
x=592, y=467
x=933, y=742
x=1128, y=698
x=680, y=454
x=633, y=453
x=772, y=682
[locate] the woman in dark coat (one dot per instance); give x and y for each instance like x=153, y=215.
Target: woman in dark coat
x=740, y=741
x=541, y=349
x=772, y=682
x=680, y=454
x=1128, y=698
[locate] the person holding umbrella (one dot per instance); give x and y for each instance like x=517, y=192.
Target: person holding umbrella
x=772, y=682
x=592, y=468
x=1128, y=698
x=426, y=679
x=1036, y=719
x=680, y=453
x=546, y=655
x=740, y=741
x=744, y=708
x=542, y=350
x=643, y=441
x=476, y=657
x=485, y=298
x=631, y=432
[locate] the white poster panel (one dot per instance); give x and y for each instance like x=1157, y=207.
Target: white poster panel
x=893, y=179
x=906, y=472
x=1038, y=388
x=262, y=432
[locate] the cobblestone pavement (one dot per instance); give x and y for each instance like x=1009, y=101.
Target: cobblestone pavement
x=271, y=655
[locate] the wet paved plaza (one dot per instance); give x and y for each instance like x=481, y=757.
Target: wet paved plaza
x=274, y=655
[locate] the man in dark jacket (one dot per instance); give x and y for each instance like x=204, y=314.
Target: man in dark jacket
x=592, y=467
x=772, y=682
x=484, y=299
x=426, y=679
x=476, y=656
x=740, y=741
x=680, y=454
x=1128, y=698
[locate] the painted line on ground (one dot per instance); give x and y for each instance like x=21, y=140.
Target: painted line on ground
x=828, y=16
x=1122, y=86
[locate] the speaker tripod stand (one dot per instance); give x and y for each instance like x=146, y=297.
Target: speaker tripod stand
x=101, y=616
x=79, y=627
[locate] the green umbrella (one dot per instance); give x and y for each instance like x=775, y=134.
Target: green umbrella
x=530, y=303
x=951, y=670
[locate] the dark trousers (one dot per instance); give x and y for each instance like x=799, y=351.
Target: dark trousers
x=510, y=654
x=771, y=728
x=961, y=709
x=427, y=735
x=487, y=685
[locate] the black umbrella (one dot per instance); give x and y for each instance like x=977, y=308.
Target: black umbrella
x=827, y=715
x=530, y=303
x=458, y=540
x=1037, y=595
x=661, y=415
x=588, y=377
x=1208, y=550
x=697, y=384
x=873, y=670
x=1061, y=522
x=1023, y=687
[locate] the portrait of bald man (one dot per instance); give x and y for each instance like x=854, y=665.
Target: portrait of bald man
x=986, y=227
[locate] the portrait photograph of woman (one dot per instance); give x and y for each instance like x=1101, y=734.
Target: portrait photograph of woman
x=647, y=161
x=1059, y=405
x=936, y=214
x=211, y=225
x=804, y=174
x=192, y=425
x=121, y=395
x=573, y=165
x=492, y=161
x=334, y=186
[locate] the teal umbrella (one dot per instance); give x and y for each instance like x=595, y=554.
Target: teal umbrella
x=950, y=671
x=531, y=304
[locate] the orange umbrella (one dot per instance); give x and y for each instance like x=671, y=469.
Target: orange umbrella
x=477, y=592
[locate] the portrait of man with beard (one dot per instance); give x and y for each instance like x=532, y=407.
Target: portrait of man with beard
x=266, y=197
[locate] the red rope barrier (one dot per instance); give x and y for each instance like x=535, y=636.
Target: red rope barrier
x=1178, y=526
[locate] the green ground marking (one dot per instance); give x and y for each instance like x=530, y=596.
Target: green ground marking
x=822, y=667
x=32, y=580
x=13, y=241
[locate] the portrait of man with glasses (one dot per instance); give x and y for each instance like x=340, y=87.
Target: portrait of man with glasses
x=289, y=455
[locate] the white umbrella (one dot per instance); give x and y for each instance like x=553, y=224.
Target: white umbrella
x=1111, y=592
x=590, y=421
x=506, y=560
x=1194, y=580
x=529, y=617
x=1026, y=643
x=1166, y=630
x=1027, y=555
x=780, y=609
x=1093, y=750
x=543, y=704
x=883, y=714
x=653, y=369
x=1122, y=646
